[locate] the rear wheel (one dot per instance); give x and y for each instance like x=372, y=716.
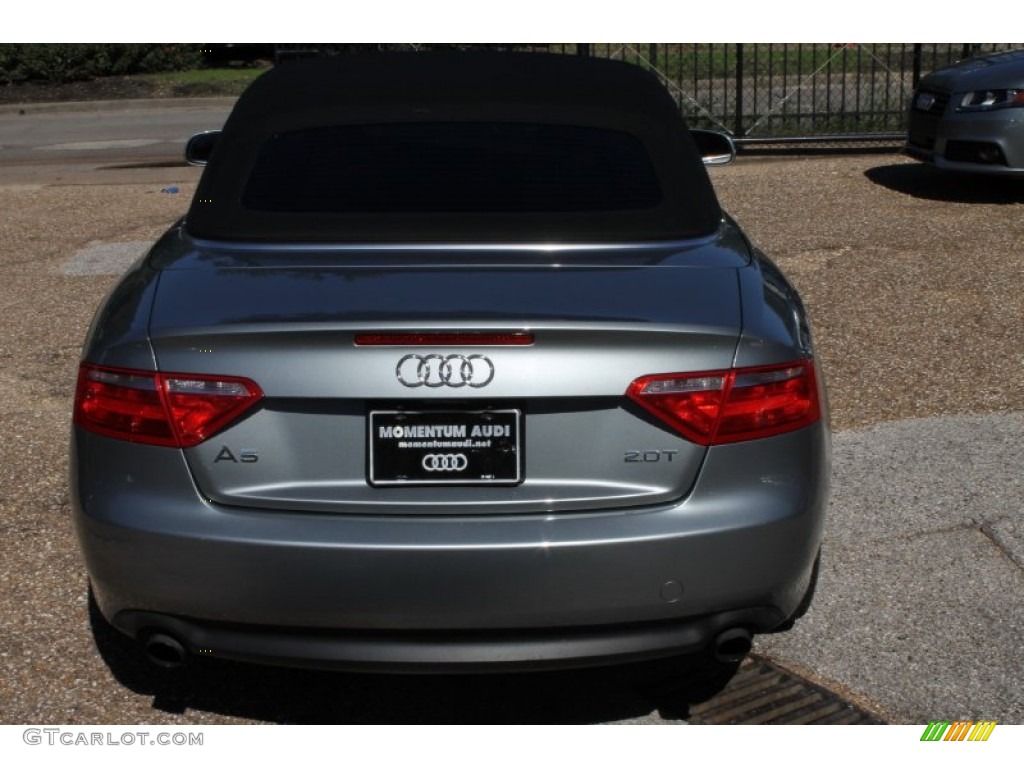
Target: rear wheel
x=124, y=655
x=805, y=601
x=675, y=684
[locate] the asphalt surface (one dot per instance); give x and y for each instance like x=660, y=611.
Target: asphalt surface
x=914, y=282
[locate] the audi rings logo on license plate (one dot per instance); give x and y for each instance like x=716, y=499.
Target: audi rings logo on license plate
x=445, y=371
x=445, y=462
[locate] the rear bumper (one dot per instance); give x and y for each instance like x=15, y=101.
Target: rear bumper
x=446, y=652
x=529, y=590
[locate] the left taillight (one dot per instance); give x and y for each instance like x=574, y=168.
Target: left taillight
x=172, y=409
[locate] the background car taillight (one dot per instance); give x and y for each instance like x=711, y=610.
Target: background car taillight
x=172, y=409
x=714, y=407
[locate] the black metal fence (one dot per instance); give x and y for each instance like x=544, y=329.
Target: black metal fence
x=769, y=91
x=763, y=91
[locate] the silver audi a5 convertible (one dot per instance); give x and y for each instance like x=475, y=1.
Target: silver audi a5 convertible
x=455, y=363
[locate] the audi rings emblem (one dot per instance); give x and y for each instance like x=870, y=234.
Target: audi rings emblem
x=445, y=462
x=445, y=371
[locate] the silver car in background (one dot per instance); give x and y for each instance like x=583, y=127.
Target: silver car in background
x=970, y=116
x=455, y=363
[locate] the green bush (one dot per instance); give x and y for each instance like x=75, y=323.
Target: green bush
x=67, y=62
x=146, y=57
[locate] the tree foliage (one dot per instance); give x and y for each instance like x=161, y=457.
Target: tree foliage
x=68, y=62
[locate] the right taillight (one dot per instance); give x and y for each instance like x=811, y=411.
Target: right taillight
x=171, y=409
x=714, y=407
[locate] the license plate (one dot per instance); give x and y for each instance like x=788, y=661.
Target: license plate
x=444, y=447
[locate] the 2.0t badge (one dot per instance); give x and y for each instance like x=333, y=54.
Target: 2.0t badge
x=445, y=371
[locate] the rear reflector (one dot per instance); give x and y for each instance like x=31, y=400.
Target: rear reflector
x=173, y=409
x=714, y=407
x=462, y=339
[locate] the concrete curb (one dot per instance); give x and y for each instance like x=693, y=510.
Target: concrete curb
x=118, y=105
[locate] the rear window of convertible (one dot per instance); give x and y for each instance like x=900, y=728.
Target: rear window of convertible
x=448, y=167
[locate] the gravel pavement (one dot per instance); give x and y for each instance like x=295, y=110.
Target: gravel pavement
x=919, y=606
x=914, y=280
x=915, y=286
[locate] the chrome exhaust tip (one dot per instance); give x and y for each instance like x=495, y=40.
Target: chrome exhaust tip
x=732, y=645
x=165, y=651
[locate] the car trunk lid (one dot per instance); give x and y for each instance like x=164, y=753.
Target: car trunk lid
x=571, y=440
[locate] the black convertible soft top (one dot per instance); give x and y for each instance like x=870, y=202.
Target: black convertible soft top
x=454, y=147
